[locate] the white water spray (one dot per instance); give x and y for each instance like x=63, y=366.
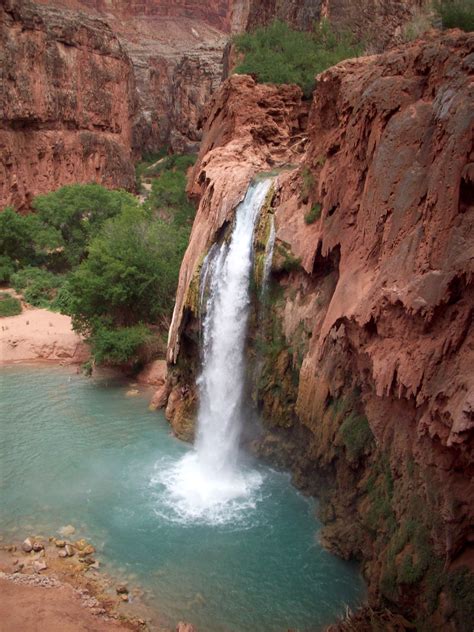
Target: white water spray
x=209, y=483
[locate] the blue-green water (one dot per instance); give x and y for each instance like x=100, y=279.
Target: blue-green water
x=78, y=451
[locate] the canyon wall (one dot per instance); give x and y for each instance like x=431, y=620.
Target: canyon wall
x=377, y=22
x=361, y=356
x=67, y=101
x=176, y=52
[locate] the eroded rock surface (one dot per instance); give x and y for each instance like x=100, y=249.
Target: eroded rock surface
x=366, y=383
x=67, y=101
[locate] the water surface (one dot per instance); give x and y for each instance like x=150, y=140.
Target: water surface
x=78, y=451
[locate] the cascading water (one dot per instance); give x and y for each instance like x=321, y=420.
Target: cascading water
x=210, y=483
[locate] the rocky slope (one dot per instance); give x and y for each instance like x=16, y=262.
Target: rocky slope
x=364, y=371
x=67, y=102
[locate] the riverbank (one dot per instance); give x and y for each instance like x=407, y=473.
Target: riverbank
x=39, y=334
x=54, y=584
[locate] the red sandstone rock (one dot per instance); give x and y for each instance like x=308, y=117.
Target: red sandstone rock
x=66, y=104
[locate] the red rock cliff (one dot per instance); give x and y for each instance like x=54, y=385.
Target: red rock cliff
x=66, y=104
x=367, y=390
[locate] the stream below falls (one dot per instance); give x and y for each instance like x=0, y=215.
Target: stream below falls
x=77, y=450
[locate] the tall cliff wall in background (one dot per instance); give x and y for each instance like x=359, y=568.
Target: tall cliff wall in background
x=377, y=22
x=364, y=380
x=67, y=103
x=176, y=51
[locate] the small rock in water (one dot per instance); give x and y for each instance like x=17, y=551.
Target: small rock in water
x=121, y=589
x=80, y=544
x=27, y=545
x=132, y=392
x=67, y=530
x=60, y=543
x=124, y=597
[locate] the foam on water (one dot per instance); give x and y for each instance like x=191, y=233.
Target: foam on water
x=210, y=484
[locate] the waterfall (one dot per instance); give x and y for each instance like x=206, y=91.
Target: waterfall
x=267, y=265
x=210, y=483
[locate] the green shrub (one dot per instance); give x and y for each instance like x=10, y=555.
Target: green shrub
x=313, y=214
x=461, y=590
x=456, y=14
x=168, y=194
x=9, y=305
x=38, y=286
x=356, y=435
x=279, y=54
x=118, y=346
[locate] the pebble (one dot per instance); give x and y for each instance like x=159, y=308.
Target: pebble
x=121, y=589
x=37, y=547
x=39, y=566
x=62, y=553
x=60, y=543
x=31, y=580
x=69, y=550
x=27, y=545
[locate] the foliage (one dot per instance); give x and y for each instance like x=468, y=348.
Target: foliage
x=461, y=589
x=118, y=346
x=9, y=305
x=307, y=183
x=456, y=14
x=129, y=278
x=356, y=435
x=16, y=237
x=38, y=286
x=68, y=218
x=168, y=194
x=313, y=214
x=279, y=54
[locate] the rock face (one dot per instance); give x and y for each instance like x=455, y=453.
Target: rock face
x=67, y=102
x=176, y=50
x=378, y=22
x=366, y=391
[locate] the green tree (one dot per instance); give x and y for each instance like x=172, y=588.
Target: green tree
x=68, y=218
x=16, y=242
x=128, y=279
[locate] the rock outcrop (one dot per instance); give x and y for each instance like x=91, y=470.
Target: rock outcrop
x=365, y=386
x=67, y=103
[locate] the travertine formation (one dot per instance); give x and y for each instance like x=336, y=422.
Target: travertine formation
x=366, y=385
x=67, y=103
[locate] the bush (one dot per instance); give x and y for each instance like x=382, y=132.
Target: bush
x=68, y=218
x=38, y=286
x=9, y=305
x=456, y=14
x=279, y=54
x=118, y=346
x=313, y=214
x=7, y=268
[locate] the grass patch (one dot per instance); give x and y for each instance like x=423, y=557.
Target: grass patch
x=314, y=214
x=9, y=305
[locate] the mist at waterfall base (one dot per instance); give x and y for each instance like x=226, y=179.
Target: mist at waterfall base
x=212, y=484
